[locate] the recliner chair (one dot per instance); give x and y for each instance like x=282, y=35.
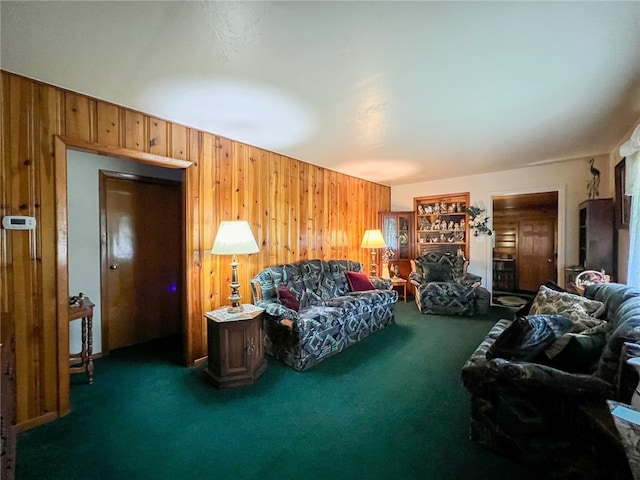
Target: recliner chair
x=443, y=286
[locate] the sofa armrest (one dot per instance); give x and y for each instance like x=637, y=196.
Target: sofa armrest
x=533, y=376
x=381, y=283
x=278, y=313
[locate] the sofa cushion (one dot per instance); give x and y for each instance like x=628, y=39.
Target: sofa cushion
x=577, y=308
x=528, y=336
x=359, y=282
x=287, y=298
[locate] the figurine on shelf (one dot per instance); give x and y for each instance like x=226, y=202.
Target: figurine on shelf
x=428, y=209
x=443, y=207
x=451, y=208
x=421, y=210
x=450, y=226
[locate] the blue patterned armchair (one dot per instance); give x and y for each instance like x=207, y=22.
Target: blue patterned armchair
x=443, y=286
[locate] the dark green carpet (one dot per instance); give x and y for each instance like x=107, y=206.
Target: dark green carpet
x=390, y=407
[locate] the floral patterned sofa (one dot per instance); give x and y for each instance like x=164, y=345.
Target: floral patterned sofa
x=312, y=311
x=443, y=286
x=553, y=411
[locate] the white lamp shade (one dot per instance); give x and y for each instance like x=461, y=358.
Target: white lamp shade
x=234, y=238
x=373, y=239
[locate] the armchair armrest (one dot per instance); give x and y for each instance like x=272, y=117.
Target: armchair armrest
x=416, y=278
x=534, y=376
x=469, y=279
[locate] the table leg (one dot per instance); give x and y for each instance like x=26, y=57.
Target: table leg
x=90, y=349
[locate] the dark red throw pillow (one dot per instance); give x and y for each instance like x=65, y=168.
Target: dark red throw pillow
x=359, y=282
x=287, y=298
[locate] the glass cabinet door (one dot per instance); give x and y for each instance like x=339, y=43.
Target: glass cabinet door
x=390, y=229
x=404, y=224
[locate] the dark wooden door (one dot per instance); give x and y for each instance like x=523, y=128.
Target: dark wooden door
x=536, y=253
x=141, y=249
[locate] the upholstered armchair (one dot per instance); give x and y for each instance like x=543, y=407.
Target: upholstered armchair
x=443, y=286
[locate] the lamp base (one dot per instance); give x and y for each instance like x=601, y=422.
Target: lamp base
x=235, y=296
x=235, y=308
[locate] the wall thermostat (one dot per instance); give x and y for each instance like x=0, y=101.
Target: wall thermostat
x=18, y=222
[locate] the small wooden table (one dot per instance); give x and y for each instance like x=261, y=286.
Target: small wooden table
x=83, y=361
x=400, y=283
x=235, y=346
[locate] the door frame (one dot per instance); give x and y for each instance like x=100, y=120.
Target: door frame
x=61, y=144
x=560, y=260
x=103, y=175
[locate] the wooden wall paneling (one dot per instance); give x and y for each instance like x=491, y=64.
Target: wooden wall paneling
x=209, y=192
x=134, y=138
x=5, y=195
x=304, y=211
x=275, y=232
x=50, y=104
x=224, y=211
x=194, y=335
x=281, y=202
x=317, y=212
x=255, y=201
x=262, y=188
x=80, y=117
x=158, y=142
x=179, y=142
x=242, y=191
x=21, y=242
x=293, y=207
x=108, y=122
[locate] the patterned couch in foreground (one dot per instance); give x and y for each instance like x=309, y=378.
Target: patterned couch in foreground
x=330, y=317
x=553, y=411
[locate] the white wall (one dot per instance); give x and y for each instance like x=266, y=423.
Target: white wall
x=84, y=228
x=623, y=234
x=569, y=178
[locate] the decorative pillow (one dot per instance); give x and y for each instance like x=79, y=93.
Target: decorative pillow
x=580, y=355
x=526, y=308
x=359, y=282
x=575, y=307
x=528, y=336
x=437, y=272
x=287, y=298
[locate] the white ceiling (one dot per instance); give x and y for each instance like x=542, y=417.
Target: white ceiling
x=393, y=92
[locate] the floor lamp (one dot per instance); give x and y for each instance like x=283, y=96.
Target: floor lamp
x=373, y=239
x=234, y=238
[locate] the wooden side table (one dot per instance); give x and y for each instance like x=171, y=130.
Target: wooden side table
x=83, y=361
x=235, y=346
x=401, y=284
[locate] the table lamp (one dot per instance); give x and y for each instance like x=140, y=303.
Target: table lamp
x=373, y=239
x=234, y=238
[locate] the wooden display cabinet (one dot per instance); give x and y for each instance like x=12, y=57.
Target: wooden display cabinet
x=397, y=230
x=596, y=249
x=442, y=224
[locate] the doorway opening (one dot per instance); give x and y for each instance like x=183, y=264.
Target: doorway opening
x=144, y=229
x=64, y=145
x=526, y=244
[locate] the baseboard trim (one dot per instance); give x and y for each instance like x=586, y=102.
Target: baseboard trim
x=36, y=422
